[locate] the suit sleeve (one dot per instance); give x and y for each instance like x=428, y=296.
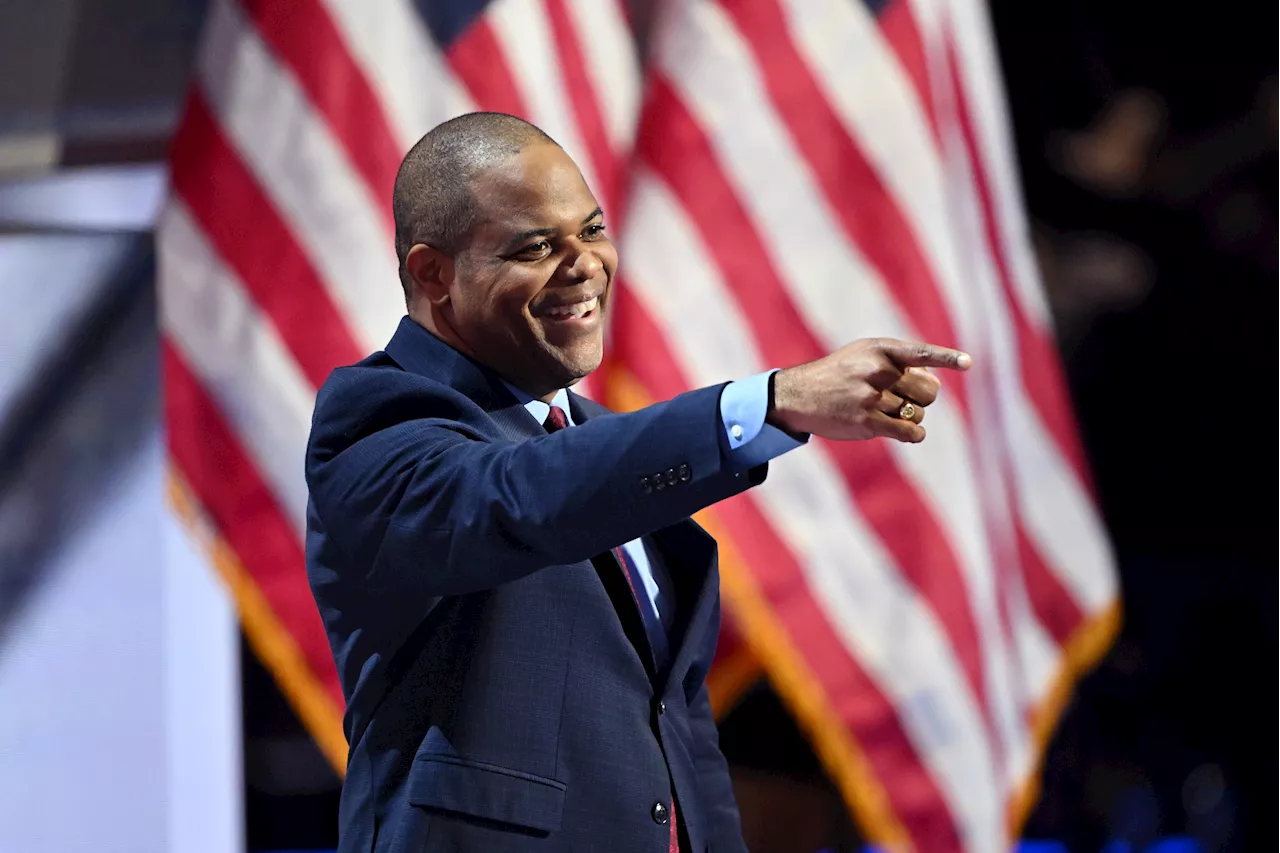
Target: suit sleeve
x=407, y=487
x=724, y=824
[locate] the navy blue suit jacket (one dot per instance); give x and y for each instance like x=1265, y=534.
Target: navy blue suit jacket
x=500, y=691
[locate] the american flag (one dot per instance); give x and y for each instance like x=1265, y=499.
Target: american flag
x=782, y=176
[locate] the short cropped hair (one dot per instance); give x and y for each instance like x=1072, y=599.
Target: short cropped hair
x=432, y=201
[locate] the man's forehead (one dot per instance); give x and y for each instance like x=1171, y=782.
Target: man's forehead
x=532, y=192
x=531, y=173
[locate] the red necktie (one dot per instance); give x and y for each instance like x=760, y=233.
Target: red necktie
x=557, y=420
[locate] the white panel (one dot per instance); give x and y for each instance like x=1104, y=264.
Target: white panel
x=100, y=754
x=202, y=702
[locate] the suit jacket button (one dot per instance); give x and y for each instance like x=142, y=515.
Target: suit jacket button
x=660, y=813
x=646, y=485
x=658, y=482
x=662, y=707
x=684, y=473
x=672, y=477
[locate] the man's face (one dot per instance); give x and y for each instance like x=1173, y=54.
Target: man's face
x=531, y=287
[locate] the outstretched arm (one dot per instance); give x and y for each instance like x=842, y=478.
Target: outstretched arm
x=415, y=490
x=410, y=480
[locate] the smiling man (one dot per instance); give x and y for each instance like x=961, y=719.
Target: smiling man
x=521, y=612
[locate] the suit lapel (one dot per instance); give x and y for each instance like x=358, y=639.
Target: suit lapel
x=515, y=421
x=688, y=552
x=612, y=574
x=618, y=588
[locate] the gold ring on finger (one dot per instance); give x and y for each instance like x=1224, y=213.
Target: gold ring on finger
x=907, y=411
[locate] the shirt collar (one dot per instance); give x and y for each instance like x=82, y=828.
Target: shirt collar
x=539, y=409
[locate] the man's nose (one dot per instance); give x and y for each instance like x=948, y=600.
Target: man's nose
x=583, y=266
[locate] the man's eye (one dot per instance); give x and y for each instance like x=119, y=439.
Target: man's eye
x=535, y=250
x=593, y=231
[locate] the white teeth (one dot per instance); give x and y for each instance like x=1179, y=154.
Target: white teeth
x=576, y=310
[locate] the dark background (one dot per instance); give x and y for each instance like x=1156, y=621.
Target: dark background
x=1147, y=140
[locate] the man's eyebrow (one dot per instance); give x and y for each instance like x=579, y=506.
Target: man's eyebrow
x=525, y=236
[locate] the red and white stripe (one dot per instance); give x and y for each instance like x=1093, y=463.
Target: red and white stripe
x=804, y=173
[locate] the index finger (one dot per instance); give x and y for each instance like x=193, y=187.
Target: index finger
x=913, y=354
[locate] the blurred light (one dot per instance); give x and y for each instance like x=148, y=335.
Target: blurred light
x=1203, y=789
x=1023, y=847
x=100, y=198
x=1136, y=813
x=29, y=151
x=1164, y=845
x=1175, y=845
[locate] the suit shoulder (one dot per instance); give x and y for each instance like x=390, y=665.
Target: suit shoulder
x=376, y=394
x=375, y=375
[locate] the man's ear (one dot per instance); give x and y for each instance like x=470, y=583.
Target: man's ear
x=431, y=271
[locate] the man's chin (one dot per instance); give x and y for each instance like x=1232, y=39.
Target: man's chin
x=581, y=370
x=579, y=363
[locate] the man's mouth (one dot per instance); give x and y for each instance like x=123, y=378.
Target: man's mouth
x=576, y=311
